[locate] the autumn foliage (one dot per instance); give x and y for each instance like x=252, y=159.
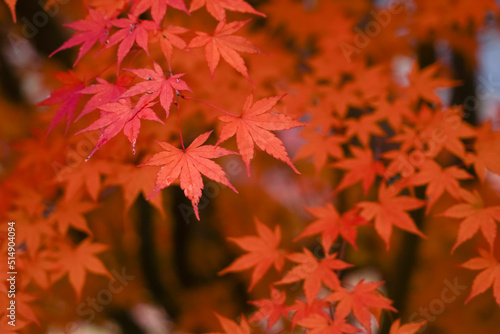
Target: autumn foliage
x=268, y=167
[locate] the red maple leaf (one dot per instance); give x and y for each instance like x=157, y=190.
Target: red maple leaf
x=331, y=225
x=223, y=43
x=390, y=210
x=217, y=7
x=314, y=272
x=490, y=275
x=263, y=253
x=157, y=85
x=360, y=301
x=118, y=116
x=94, y=28
x=104, y=92
x=132, y=31
x=67, y=95
x=189, y=164
x=158, y=8
x=253, y=126
x=476, y=217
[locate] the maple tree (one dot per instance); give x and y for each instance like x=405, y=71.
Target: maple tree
x=247, y=195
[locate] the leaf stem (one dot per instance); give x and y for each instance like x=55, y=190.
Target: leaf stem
x=179, y=121
x=209, y=104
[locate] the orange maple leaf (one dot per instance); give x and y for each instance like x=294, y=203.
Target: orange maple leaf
x=318, y=324
x=477, y=217
x=331, y=225
x=389, y=211
x=217, y=8
x=272, y=308
x=320, y=146
x=231, y=327
x=424, y=83
x=411, y=328
x=76, y=261
x=438, y=180
x=360, y=168
x=223, y=43
x=490, y=276
x=253, y=126
x=360, y=301
x=263, y=253
x=314, y=272
x=189, y=164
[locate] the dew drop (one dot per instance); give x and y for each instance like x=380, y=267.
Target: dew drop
x=107, y=41
x=150, y=92
x=133, y=147
x=220, y=154
x=150, y=79
x=87, y=159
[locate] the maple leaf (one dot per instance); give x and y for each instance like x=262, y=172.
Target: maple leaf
x=477, y=217
x=94, y=28
x=272, y=309
x=253, y=126
x=67, y=95
x=76, y=261
x=85, y=175
x=223, y=43
x=118, y=116
x=331, y=225
x=390, y=210
x=217, y=7
x=158, y=8
x=487, y=152
x=189, y=164
x=320, y=147
x=231, y=327
x=132, y=31
x=359, y=301
x=169, y=39
x=104, y=92
x=134, y=181
x=411, y=328
x=361, y=168
x=363, y=127
x=71, y=213
x=157, y=85
x=302, y=310
x=314, y=272
x=263, y=253
x=424, y=83
x=318, y=324
x=31, y=229
x=490, y=275
x=12, y=7
x=438, y=180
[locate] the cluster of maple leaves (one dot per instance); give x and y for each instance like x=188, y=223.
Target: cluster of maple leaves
x=387, y=137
